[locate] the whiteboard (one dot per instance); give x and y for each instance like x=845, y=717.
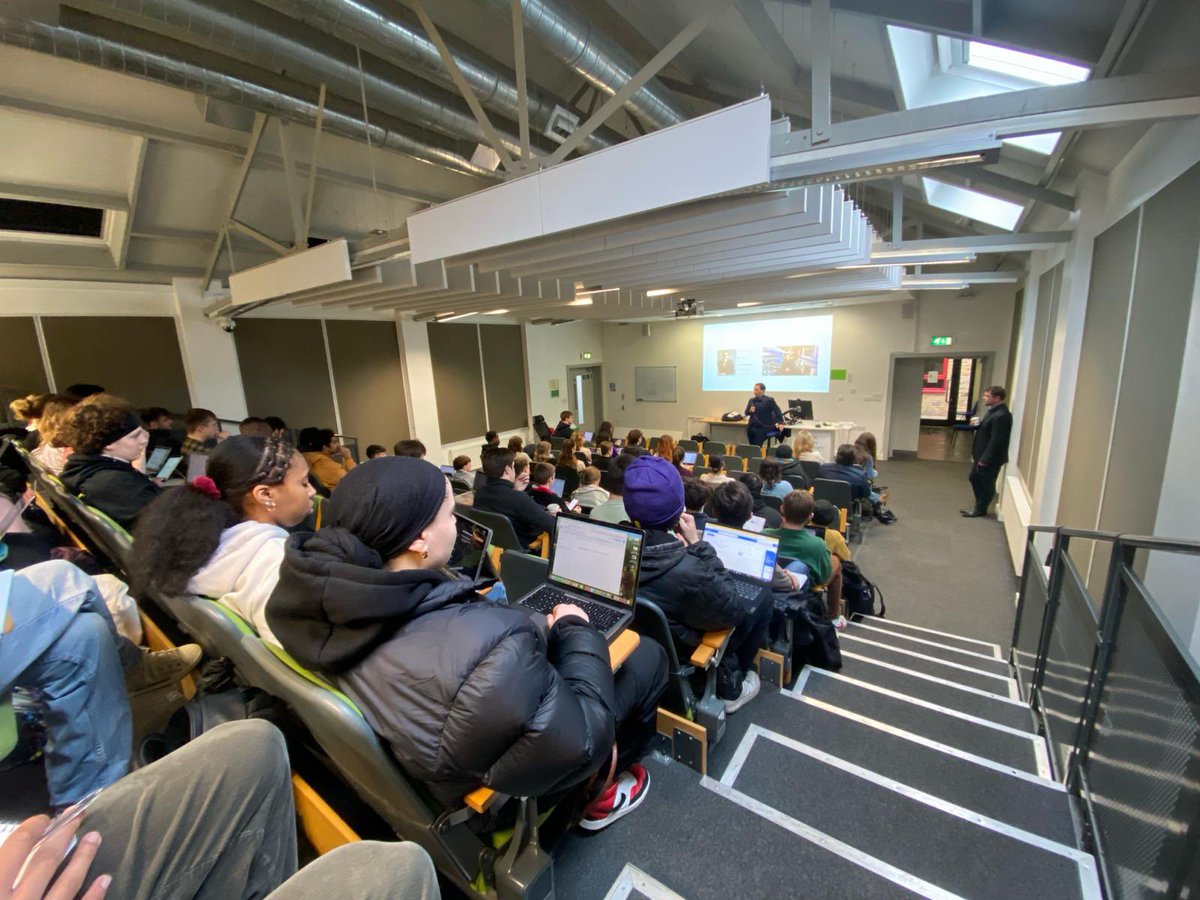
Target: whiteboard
x=654, y=384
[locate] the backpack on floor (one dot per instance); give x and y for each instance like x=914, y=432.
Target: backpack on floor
x=859, y=593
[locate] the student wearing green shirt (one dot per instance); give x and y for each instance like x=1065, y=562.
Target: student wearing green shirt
x=799, y=544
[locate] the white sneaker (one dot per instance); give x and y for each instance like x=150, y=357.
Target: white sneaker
x=750, y=688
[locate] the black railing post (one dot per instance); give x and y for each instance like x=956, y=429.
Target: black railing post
x=1058, y=552
x=1115, y=592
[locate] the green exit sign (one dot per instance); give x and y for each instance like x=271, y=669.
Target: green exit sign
x=585, y=355
x=942, y=341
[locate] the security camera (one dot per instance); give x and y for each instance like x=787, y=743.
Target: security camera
x=227, y=325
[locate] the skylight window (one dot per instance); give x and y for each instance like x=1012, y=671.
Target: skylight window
x=972, y=204
x=1026, y=66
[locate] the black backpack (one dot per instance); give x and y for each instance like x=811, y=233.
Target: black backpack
x=860, y=594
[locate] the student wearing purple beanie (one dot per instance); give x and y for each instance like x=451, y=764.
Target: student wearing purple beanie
x=685, y=577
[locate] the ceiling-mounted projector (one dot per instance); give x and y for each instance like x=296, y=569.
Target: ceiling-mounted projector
x=688, y=306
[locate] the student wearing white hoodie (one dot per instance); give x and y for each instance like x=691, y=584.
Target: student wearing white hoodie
x=222, y=536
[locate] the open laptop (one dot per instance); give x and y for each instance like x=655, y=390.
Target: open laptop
x=157, y=459
x=197, y=466
x=469, y=556
x=689, y=457
x=448, y=471
x=595, y=566
x=168, y=468
x=749, y=557
x=587, y=436
x=557, y=485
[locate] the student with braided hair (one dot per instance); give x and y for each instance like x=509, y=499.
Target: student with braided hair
x=222, y=536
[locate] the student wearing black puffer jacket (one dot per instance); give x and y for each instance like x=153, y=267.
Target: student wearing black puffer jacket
x=466, y=691
x=685, y=577
x=108, y=438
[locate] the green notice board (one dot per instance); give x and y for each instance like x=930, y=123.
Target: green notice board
x=837, y=374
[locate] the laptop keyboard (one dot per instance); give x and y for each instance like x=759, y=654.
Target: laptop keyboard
x=545, y=598
x=746, y=590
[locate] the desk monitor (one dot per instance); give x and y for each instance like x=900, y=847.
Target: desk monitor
x=803, y=408
x=557, y=485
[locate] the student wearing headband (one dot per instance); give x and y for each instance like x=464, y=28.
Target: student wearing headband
x=108, y=439
x=222, y=536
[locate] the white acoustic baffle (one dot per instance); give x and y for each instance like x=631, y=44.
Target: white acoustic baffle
x=322, y=265
x=723, y=151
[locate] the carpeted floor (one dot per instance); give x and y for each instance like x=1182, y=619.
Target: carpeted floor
x=934, y=567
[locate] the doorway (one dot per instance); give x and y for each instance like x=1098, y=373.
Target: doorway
x=950, y=388
x=584, y=397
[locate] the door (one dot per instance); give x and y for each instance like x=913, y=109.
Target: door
x=583, y=395
x=948, y=391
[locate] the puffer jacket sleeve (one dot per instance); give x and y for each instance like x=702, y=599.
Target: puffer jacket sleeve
x=714, y=604
x=121, y=495
x=571, y=734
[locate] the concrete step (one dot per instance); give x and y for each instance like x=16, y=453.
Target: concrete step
x=929, y=646
x=932, y=634
x=853, y=646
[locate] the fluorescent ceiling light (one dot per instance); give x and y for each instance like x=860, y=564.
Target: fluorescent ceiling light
x=1027, y=66
x=914, y=260
x=591, y=291
x=452, y=317
x=750, y=303
x=581, y=301
x=661, y=292
x=496, y=312
x=934, y=286
x=972, y=204
x=883, y=163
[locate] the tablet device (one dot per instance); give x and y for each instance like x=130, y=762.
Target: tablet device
x=169, y=468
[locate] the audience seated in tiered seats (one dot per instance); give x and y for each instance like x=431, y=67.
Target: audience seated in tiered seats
x=253, y=426
x=589, y=494
x=166, y=831
x=566, y=424
x=327, y=459
x=107, y=438
x=28, y=411
x=716, y=473
x=603, y=433
x=773, y=483
x=633, y=443
x=222, y=536
x=798, y=543
x=411, y=447
x=498, y=495
x=677, y=457
x=684, y=576
x=58, y=640
x=541, y=488
x=374, y=451
x=464, y=472
x=466, y=692
x=602, y=456
x=516, y=444
x=732, y=506
x=826, y=518
x=544, y=452
x=666, y=448
x=754, y=484
x=843, y=468
x=788, y=464
x=53, y=449
x=490, y=439
x=566, y=457
x=203, y=432
x=159, y=424
x=696, y=495
x=82, y=391
x=803, y=446
x=278, y=426
x=613, y=509
x=582, y=453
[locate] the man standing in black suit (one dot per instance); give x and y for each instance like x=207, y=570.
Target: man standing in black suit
x=765, y=416
x=989, y=450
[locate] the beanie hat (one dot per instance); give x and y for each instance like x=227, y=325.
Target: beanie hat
x=653, y=491
x=387, y=504
x=783, y=451
x=825, y=514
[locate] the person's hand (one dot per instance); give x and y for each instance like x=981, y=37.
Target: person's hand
x=345, y=451
x=794, y=578
x=686, y=528
x=221, y=435
x=564, y=610
x=42, y=864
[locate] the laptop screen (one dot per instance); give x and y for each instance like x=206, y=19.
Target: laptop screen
x=744, y=552
x=469, y=556
x=689, y=458
x=169, y=467
x=557, y=485
x=587, y=435
x=596, y=557
x=447, y=470
x=197, y=466
x=156, y=459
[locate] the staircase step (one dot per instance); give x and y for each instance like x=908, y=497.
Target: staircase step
x=943, y=692
x=998, y=743
x=924, y=645
x=932, y=634
x=935, y=841
x=1009, y=795
x=680, y=815
x=855, y=647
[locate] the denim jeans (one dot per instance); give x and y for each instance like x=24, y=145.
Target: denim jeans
x=63, y=647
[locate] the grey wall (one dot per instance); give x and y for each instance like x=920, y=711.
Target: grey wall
x=1045, y=316
x=454, y=354
x=369, y=381
x=504, y=376
x=905, y=418
x=284, y=371
x=21, y=369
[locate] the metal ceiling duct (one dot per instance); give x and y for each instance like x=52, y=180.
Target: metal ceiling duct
x=244, y=31
x=396, y=36
x=78, y=46
x=596, y=57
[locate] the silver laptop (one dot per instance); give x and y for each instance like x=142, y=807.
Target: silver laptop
x=595, y=566
x=197, y=466
x=749, y=557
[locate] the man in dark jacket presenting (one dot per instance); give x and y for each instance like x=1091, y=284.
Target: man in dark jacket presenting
x=989, y=451
x=466, y=691
x=765, y=416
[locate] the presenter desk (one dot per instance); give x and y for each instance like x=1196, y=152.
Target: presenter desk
x=826, y=438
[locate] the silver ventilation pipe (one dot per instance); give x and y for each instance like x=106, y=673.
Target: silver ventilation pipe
x=596, y=57
x=77, y=46
x=395, y=35
x=251, y=33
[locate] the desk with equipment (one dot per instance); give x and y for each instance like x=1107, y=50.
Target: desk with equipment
x=827, y=436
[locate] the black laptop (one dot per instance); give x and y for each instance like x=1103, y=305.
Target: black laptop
x=594, y=565
x=469, y=557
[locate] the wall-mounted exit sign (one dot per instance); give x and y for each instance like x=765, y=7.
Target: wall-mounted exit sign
x=586, y=354
x=941, y=341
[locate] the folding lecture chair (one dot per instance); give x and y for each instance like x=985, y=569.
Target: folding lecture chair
x=837, y=493
x=735, y=463
x=749, y=451
x=753, y=464
x=812, y=470
x=690, y=446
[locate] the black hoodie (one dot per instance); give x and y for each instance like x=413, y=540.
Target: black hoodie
x=111, y=485
x=466, y=691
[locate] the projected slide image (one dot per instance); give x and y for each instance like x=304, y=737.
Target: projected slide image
x=789, y=355
x=797, y=360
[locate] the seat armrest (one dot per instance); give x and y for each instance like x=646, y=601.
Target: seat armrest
x=711, y=648
x=481, y=799
x=621, y=648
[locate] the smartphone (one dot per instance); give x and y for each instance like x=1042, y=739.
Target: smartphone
x=572, y=505
x=61, y=821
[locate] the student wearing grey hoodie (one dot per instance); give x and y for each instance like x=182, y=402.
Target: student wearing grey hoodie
x=223, y=535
